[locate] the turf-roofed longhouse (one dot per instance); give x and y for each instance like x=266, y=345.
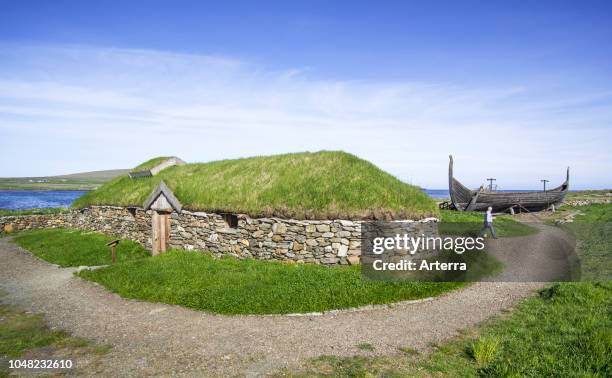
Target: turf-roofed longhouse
x=319, y=185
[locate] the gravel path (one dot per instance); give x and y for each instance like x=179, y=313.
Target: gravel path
x=159, y=339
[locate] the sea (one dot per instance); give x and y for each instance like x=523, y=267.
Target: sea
x=39, y=199
x=437, y=193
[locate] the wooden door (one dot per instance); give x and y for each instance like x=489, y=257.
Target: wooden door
x=160, y=232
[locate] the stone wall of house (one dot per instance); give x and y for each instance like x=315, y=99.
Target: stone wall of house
x=122, y=222
x=328, y=242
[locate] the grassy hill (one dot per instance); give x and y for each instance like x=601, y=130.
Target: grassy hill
x=320, y=185
x=95, y=176
x=75, y=181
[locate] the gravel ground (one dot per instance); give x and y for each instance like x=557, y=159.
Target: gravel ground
x=159, y=339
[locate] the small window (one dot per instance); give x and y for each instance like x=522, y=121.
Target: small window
x=230, y=219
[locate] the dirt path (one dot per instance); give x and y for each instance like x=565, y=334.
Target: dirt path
x=158, y=339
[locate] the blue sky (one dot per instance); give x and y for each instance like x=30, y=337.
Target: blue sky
x=518, y=90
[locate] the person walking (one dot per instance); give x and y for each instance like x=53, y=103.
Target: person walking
x=488, y=223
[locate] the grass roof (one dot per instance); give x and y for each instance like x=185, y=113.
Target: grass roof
x=150, y=164
x=319, y=185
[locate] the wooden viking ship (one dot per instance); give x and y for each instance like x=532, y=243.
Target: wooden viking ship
x=464, y=199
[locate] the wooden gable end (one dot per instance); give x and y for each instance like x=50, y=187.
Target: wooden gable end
x=162, y=199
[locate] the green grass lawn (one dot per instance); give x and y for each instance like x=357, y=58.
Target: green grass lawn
x=232, y=286
x=76, y=248
x=320, y=185
x=589, y=195
x=470, y=223
x=592, y=227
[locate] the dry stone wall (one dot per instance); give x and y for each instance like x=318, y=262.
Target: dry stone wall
x=329, y=242
x=586, y=202
x=134, y=224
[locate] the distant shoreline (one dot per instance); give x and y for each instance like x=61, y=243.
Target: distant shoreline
x=45, y=190
x=75, y=181
x=42, y=188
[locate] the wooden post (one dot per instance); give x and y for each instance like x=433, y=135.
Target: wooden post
x=167, y=219
x=155, y=250
x=491, y=179
x=113, y=245
x=163, y=232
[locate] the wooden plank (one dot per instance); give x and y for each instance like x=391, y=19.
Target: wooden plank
x=155, y=250
x=162, y=232
x=167, y=219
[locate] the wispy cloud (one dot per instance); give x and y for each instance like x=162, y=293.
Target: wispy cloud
x=72, y=108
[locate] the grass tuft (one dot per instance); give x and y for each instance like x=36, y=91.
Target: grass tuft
x=484, y=350
x=367, y=347
x=408, y=351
